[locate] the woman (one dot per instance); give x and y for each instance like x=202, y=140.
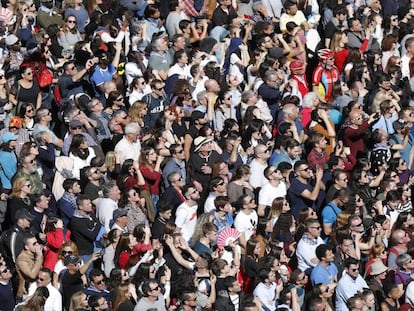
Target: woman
x=135, y=205
x=123, y=250
x=142, y=235
x=304, y=215
x=137, y=89
x=251, y=263
x=389, y=48
x=389, y=113
x=19, y=198
x=239, y=184
x=113, y=164
x=94, y=6
x=338, y=46
x=392, y=293
x=354, y=55
x=255, y=133
x=223, y=110
x=55, y=239
x=27, y=114
x=37, y=301
x=69, y=34
x=405, y=221
x=46, y=156
x=236, y=58
x=8, y=160
x=79, y=302
x=114, y=103
x=251, y=113
x=376, y=253
x=26, y=89
x=75, y=8
x=279, y=205
x=109, y=251
x=263, y=235
x=80, y=153
x=98, y=303
x=284, y=230
x=122, y=300
x=4, y=99
x=149, y=165
x=130, y=175
x=359, y=183
x=324, y=292
x=68, y=248
x=152, y=21
x=221, y=169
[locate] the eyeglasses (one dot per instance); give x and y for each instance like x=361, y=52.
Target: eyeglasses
x=67, y=253
x=29, y=110
x=159, y=89
x=317, y=228
x=76, y=128
x=358, y=225
x=40, y=279
x=179, y=179
x=221, y=183
x=100, y=282
x=71, y=22
x=354, y=269
x=4, y=270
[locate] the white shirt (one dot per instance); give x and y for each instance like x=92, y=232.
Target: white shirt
x=257, y=178
x=305, y=252
x=209, y=205
x=104, y=212
x=246, y=223
x=54, y=301
x=128, y=150
x=267, y=295
x=186, y=219
x=268, y=193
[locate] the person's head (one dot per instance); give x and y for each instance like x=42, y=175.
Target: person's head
x=313, y=228
x=151, y=288
x=392, y=290
x=110, y=190
x=340, y=178
x=352, y=267
x=28, y=163
x=84, y=203
x=97, y=279
x=404, y=261
x=30, y=243
x=302, y=169
x=164, y=209
x=79, y=300
x=190, y=193
x=44, y=277
x=97, y=302
x=252, y=247
x=67, y=249
x=324, y=252
x=210, y=231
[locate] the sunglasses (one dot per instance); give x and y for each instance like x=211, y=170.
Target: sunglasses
x=40, y=279
x=100, y=282
x=67, y=253
x=71, y=22
x=28, y=185
x=76, y=128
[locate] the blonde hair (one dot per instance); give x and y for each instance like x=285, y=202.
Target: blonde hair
x=336, y=42
x=76, y=300
x=122, y=295
x=135, y=111
x=18, y=184
x=110, y=160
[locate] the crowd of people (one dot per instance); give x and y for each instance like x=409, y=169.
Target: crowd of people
x=206, y=154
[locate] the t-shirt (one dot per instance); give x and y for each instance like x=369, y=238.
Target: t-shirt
x=71, y=283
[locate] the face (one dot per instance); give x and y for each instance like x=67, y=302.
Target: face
x=31, y=245
x=193, y=194
x=295, y=151
x=43, y=279
x=304, y=171
x=353, y=271
x=71, y=22
x=115, y=193
x=155, y=290
x=315, y=230
x=86, y=206
x=357, y=225
x=30, y=164
x=103, y=304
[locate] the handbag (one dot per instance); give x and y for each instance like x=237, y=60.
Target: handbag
x=45, y=78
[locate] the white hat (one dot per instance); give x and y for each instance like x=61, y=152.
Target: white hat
x=378, y=267
x=199, y=141
x=11, y=39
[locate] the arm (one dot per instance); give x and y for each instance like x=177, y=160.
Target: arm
x=177, y=256
x=39, y=100
x=314, y=194
x=86, y=265
x=118, y=49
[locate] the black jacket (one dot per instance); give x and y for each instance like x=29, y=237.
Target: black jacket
x=223, y=303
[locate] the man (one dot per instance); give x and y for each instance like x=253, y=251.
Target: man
x=267, y=290
x=231, y=153
x=218, y=187
x=306, y=249
x=44, y=278
x=15, y=127
x=357, y=38
x=292, y=14
x=405, y=59
x=40, y=212
x=400, y=241
x=7, y=300
x=120, y=220
x=108, y=204
x=93, y=188
x=97, y=285
x=48, y=15
x=350, y=283
x=336, y=23
x=80, y=125
x=97, y=113
x=164, y=217
x=330, y=212
x=175, y=164
x=201, y=163
x=28, y=264
x=178, y=44
x=186, y=215
x=246, y=220
x=173, y=194
x=189, y=300
x=290, y=153
x=105, y=70
x=325, y=272
x=67, y=204
x=44, y=117
x=354, y=134
x=325, y=75
x=318, y=156
x=339, y=181
x=72, y=280
x=71, y=82
x=12, y=244
x=152, y=297
x=204, y=244
x=274, y=188
x=290, y=113
x=378, y=273
x=233, y=298
x=175, y=16
x=224, y=14
x=157, y=101
x=258, y=165
x=269, y=91
x=159, y=61
x=346, y=248
x=129, y=146
x=301, y=192
x=28, y=170
x=223, y=214
x=85, y=228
